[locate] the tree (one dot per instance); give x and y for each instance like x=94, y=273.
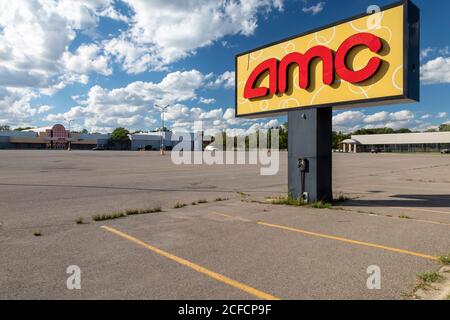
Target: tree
x=403, y=130
x=374, y=131
x=22, y=129
x=337, y=138
x=120, y=135
x=380, y=131
x=84, y=131
x=120, y=139
x=5, y=128
x=444, y=127
x=284, y=136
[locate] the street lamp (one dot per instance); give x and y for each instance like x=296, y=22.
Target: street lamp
x=69, y=135
x=163, y=110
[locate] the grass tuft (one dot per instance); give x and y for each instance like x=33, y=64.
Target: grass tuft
x=37, y=233
x=220, y=199
x=444, y=259
x=202, y=201
x=111, y=216
x=321, y=205
x=406, y=294
x=123, y=214
x=151, y=210
x=179, y=205
x=298, y=202
x=289, y=201
x=242, y=194
x=79, y=220
x=430, y=277
x=404, y=217
x=131, y=212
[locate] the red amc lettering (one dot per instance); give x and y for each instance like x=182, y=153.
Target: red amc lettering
x=367, y=39
x=250, y=91
x=278, y=71
x=303, y=61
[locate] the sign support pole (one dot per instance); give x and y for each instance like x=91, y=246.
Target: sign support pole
x=310, y=154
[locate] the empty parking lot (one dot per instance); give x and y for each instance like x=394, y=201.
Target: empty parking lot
x=397, y=218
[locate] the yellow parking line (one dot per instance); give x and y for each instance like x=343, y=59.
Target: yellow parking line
x=219, y=277
x=325, y=236
x=393, y=217
x=352, y=191
x=431, y=222
x=420, y=209
x=367, y=244
x=228, y=216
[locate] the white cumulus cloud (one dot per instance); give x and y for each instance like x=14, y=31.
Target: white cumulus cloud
x=35, y=36
x=436, y=71
x=87, y=58
x=162, y=31
x=315, y=9
x=132, y=106
x=352, y=120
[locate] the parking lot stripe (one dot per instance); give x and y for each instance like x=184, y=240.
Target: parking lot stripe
x=219, y=277
x=421, y=209
x=326, y=236
x=383, y=215
x=430, y=221
x=367, y=244
x=232, y=217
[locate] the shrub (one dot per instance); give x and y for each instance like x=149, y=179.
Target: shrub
x=430, y=277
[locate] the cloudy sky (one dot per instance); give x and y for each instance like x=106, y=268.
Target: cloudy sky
x=105, y=63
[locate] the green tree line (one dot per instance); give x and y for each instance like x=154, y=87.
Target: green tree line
x=119, y=136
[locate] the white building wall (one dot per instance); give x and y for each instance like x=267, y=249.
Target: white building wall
x=403, y=138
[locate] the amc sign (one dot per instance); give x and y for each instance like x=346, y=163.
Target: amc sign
x=364, y=61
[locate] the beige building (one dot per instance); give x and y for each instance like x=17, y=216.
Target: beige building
x=400, y=142
x=54, y=137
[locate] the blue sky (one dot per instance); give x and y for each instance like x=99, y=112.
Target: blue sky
x=105, y=63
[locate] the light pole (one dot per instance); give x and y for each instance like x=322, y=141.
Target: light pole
x=163, y=110
x=69, y=135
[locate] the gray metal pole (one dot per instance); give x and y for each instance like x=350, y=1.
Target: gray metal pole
x=69, y=136
x=161, y=143
x=162, y=135
x=310, y=139
x=69, y=147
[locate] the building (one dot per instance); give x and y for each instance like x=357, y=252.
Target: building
x=153, y=140
x=54, y=137
x=400, y=142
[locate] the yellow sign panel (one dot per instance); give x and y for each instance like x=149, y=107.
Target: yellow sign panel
x=364, y=61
